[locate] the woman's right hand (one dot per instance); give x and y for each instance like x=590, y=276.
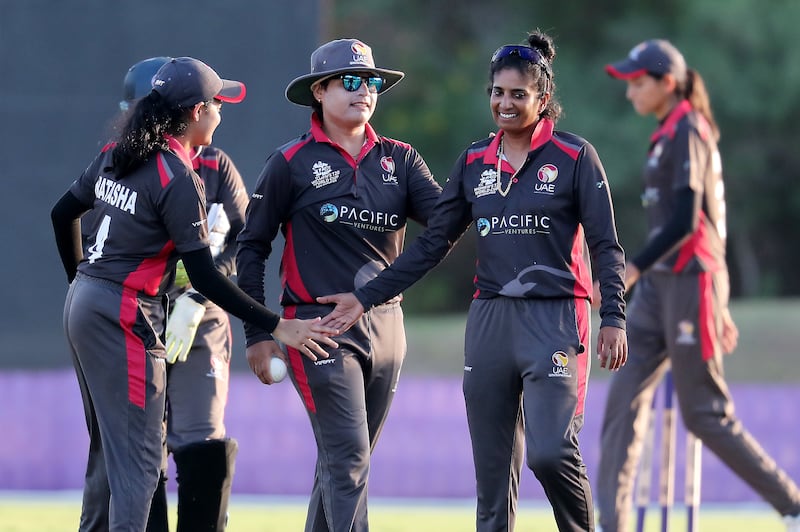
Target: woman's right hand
x=303, y=335
x=348, y=310
x=259, y=358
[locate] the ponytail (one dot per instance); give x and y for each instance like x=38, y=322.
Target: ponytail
x=695, y=91
x=143, y=132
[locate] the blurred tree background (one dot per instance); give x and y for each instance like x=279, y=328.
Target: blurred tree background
x=745, y=50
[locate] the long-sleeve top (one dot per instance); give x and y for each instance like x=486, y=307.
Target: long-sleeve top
x=532, y=243
x=684, y=197
x=343, y=218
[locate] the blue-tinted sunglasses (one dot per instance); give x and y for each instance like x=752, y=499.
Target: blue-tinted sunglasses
x=352, y=82
x=525, y=52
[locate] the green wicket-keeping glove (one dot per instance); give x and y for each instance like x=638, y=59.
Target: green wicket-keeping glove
x=181, y=277
x=182, y=327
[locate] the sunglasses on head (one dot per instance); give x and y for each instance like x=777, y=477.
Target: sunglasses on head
x=352, y=82
x=525, y=52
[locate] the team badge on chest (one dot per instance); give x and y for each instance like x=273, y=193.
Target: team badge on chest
x=546, y=176
x=387, y=165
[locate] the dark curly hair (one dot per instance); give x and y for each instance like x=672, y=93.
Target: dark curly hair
x=142, y=132
x=542, y=77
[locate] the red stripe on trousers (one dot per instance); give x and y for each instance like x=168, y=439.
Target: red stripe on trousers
x=134, y=347
x=706, y=318
x=582, y=318
x=299, y=372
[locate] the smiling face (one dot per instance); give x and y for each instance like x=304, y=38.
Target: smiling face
x=515, y=101
x=346, y=108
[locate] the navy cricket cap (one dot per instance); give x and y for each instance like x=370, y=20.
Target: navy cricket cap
x=656, y=56
x=185, y=81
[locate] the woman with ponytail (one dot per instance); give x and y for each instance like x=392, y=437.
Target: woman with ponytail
x=539, y=200
x=678, y=315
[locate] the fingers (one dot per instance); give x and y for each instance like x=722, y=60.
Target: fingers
x=327, y=340
x=340, y=322
x=311, y=348
x=612, y=349
x=173, y=349
x=264, y=374
x=327, y=320
x=613, y=358
x=336, y=320
x=327, y=330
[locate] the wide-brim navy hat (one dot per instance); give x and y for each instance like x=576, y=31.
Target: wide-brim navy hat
x=656, y=56
x=338, y=57
x=185, y=81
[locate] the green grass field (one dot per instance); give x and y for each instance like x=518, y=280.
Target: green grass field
x=26, y=513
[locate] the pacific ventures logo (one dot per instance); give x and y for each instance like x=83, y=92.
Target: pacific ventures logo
x=329, y=212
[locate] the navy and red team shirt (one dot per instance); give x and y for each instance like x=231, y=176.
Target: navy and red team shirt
x=531, y=243
x=343, y=219
x=141, y=223
x=683, y=157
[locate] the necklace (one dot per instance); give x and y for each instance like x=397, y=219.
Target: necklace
x=513, y=177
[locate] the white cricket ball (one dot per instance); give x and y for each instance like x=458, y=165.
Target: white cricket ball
x=277, y=367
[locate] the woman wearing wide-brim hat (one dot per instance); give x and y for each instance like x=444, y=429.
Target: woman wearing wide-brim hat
x=341, y=196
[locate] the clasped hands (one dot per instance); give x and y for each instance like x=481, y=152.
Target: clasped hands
x=612, y=345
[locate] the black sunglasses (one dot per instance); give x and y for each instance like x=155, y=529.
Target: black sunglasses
x=525, y=52
x=352, y=82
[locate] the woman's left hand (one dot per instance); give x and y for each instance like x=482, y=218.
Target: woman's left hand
x=348, y=310
x=612, y=348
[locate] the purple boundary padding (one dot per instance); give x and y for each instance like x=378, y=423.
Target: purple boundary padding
x=423, y=452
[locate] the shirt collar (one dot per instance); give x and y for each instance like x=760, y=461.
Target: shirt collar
x=178, y=149
x=541, y=135
x=667, y=127
x=319, y=134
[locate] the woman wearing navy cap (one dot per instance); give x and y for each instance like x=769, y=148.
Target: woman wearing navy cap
x=678, y=314
x=147, y=212
x=539, y=201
